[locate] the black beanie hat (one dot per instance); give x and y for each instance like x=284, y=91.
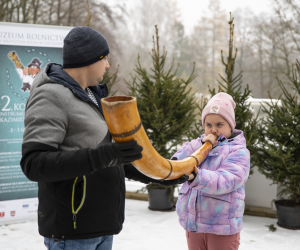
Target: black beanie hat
x=83, y=46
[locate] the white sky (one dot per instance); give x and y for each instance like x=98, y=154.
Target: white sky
x=191, y=10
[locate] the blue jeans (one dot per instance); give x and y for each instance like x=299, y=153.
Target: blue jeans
x=100, y=243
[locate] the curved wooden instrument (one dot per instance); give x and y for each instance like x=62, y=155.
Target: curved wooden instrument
x=124, y=124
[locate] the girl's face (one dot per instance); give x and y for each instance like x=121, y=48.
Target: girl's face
x=216, y=124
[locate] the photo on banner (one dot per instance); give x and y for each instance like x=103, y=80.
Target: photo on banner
x=24, y=51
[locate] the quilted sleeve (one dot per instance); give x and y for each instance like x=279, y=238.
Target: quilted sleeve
x=231, y=175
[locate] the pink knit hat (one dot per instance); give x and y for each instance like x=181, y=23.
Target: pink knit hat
x=221, y=104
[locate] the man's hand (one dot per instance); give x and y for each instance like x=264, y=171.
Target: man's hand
x=180, y=180
x=128, y=152
x=114, y=154
x=133, y=174
x=193, y=174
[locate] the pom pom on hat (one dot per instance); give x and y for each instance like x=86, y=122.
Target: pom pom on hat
x=223, y=105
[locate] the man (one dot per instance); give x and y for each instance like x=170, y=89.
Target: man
x=68, y=150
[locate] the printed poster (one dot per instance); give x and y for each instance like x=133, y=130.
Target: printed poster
x=24, y=51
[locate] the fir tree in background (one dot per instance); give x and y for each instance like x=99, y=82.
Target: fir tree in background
x=165, y=102
x=196, y=130
x=110, y=79
x=182, y=51
x=279, y=149
x=244, y=117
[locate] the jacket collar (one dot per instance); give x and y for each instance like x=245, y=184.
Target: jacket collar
x=56, y=73
x=236, y=138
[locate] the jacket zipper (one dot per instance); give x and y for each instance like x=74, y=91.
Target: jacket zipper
x=84, y=178
x=90, y=102
x=81, y=203
x=215, y=198
x=98, y=109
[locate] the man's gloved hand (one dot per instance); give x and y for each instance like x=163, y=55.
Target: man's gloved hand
x=114, y=154
x=180, y=180
x=132, y=173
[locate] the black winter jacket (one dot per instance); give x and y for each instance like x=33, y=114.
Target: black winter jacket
x=61, y=123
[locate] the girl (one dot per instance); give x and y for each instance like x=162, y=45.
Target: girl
x=210, y=205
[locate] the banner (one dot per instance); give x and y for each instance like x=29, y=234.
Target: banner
x=25, y=49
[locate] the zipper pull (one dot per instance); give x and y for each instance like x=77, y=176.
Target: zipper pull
x=74, y=221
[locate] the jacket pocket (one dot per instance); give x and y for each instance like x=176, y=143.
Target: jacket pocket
x=182, y=202
x=215, y=205
x=82, y=188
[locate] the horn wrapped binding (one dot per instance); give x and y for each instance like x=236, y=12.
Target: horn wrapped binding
x=124, y=123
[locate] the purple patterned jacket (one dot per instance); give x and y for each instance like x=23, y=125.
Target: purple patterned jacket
x=214, y=201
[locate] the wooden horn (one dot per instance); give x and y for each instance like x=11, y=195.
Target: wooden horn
x=124, y=123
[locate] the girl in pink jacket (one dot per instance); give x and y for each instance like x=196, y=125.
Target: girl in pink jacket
x=210, y=205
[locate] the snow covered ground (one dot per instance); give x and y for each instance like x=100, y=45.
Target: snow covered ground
x=145, y=230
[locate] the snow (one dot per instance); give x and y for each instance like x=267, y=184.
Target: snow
x=145, y=229
x=257, y=101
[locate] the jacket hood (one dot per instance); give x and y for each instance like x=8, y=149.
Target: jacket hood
x=41, y=78
x=53, y=73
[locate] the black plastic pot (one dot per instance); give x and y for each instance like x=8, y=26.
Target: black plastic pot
x=288, y=216
x=159, y=199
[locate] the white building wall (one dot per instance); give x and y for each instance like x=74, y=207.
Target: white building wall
x=259, y=192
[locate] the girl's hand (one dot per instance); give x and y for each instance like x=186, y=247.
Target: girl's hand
x=191, y=176
x=211, y=138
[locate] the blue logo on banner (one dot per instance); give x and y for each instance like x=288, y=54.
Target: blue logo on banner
x=26, y=206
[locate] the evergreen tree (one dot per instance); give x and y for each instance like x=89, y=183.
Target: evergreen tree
x=196, y=130
x=206, y=40
x=165, y=102
x=244, y=117
x=279, y=158
x=110, y=79
x=182, y=52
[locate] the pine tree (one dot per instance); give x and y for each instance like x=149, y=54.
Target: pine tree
x=165, y=102
x=244, y=117
x=110, y=79
x=196, y=130
x=279, y=158
x=182, y=52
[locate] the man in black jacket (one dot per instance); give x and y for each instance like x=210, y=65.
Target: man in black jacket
x=68, y=150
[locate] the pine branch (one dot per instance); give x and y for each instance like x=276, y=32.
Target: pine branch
x=166, y=104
